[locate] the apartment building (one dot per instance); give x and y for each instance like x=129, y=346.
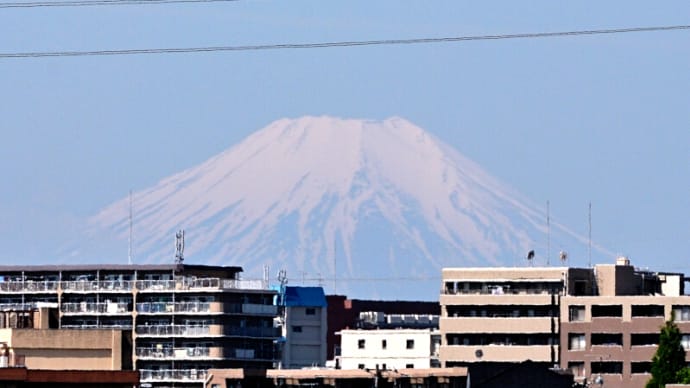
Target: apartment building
x=602, y=323
x=613, y=335
x=390, y=342
x=184, y=319
x=304, y=327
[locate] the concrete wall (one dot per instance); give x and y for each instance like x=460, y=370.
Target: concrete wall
x=396, y=354
x=308, y=346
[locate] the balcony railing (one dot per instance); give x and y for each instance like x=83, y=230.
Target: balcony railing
x=97, y=285
x=95, y=308
x=169, y=330
x=28, y=286
x=120, y=326
x=259, y=309
x=176, y=307
x=269, y=332
x=195, y=284
x=172, y=375
x=186, y=353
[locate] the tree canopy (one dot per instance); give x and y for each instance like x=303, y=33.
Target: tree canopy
x=668, y=363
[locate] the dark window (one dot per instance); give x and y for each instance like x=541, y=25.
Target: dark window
x=607, y=311
x=607, y=367
x=410, y=344
x=360, y=344
x=647, y=311
x=384, y=344
x=409, y=366
x=310, y=311
x=642, y=339
x=297, y=329
x=640, y=367
x=577, y=313
x=360, y=366
x=607, y=339
x=580, y=288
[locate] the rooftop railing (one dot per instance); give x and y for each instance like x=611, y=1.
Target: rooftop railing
x=97, y=285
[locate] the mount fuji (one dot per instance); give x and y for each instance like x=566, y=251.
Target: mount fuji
x=371, y=209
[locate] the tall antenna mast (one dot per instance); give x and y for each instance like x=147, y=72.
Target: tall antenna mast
x=335, y=265
x=548, y=233
x=129, y=254
x=179, y=247
x=589, y=248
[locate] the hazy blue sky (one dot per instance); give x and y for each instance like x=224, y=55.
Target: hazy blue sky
x=602, y=118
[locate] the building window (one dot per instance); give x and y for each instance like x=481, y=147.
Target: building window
x=296, y=329
x=647, y=311
x=410, y=344
x=360, y=344
x=360, y=366
x=615, y=311
x=577, y=313
x=685, y=341
x=681, y=313
x=640, y=367
x=384, y=344
x=612, y=367
x=383, y=366
x=576, y=341
x=310, y=311
x=577, y=368
x=607, y=339
x=644, y=339
x=409, y=366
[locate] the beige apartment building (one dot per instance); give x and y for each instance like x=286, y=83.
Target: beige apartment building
x=600, y=322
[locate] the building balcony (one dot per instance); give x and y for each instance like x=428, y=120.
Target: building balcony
x=25, y=287
x=179, y=331
x=259, y=309
x=87, y=286
x=173, y=375
x=255, y=332
x=179, y=308
x=199, y=284
x=495, y=325
x=88, y=308
x=504, y=353
x=501, y=299
x=116, y=326
x=186, y=353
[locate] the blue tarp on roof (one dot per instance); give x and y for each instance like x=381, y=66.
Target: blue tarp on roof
x=305, y=297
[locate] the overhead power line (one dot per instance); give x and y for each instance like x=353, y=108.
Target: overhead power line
x=385, y=42
x=90, y=3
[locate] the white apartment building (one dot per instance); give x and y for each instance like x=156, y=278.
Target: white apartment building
x=387, y=349
x=304, y=328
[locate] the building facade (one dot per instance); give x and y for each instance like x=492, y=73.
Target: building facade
x=184, y=319
x=386, y=349
x=304, y=328
x=600, y=322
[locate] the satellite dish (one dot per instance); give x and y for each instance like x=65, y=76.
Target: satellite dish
x=479, y=353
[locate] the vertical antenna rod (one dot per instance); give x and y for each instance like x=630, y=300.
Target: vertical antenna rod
x=548, y=234
x=129, y=254
x=335, y=267
x=589, y=248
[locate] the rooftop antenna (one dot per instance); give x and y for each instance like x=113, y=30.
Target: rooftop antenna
x=179, y=246
x=283, y=280
x=129, y=254
x=589, y=247
x=548, y=234
x=335, y=267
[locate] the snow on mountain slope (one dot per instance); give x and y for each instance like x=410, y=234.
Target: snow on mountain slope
x=346, y=201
